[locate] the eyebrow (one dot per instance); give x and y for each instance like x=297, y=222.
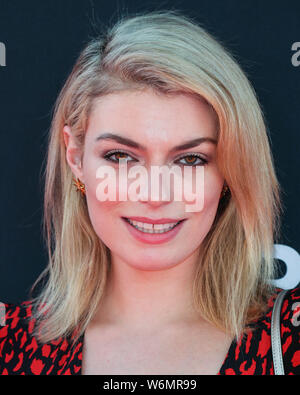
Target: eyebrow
x=134, y=144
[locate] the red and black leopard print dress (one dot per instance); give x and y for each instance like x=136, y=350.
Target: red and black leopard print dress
x=20, y=353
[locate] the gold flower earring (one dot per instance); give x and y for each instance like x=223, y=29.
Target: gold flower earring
x=79, y=185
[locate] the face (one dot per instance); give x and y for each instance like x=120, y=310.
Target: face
x=152, y=126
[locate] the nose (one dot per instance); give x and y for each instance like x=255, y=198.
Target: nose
x=159, y=191
x=154, y=204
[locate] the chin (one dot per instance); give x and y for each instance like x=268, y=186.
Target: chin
x=153, y=261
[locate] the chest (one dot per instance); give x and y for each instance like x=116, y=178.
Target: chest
x=164, y=353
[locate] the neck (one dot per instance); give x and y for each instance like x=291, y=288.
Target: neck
x=143, y=299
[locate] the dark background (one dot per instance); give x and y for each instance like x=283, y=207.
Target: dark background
x=43, y=40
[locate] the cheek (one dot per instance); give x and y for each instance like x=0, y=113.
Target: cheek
x=212, y=187
x=103, y=214
x=201, y=222
x=104, y=219
x=202, y=189
x=105, y=182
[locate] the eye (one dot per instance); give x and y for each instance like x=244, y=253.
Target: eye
x=190, y=159
x=193, y=160
x=118, y=154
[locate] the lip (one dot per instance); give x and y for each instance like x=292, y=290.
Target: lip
x=153, y=238
x=155, y=221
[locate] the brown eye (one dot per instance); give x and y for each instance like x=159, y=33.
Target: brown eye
x=193, y=160
x=116, y=156
x=120, y=155
x=190, y=159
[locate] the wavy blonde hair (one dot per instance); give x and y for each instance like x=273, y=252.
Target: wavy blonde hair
x=170, y=53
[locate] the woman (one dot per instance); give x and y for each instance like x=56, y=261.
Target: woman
x=196, y=298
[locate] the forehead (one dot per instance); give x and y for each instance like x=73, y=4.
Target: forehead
x=150, y=118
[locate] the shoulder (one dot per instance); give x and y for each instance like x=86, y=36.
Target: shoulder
x=15, y=330
x=20, y=352
x=289, y=328
x=252, y=354
x=15, y=318
x=290, y=331
x=290, y=305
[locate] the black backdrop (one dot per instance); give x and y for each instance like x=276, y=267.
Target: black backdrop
x=40, y=43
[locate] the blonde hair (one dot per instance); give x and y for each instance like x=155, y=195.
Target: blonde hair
x=169, y=53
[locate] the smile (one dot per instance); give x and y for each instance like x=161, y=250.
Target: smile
x=152, y=228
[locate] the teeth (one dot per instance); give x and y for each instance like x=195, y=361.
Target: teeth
x=152, y=228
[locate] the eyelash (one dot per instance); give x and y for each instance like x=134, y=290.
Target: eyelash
x=108, y=155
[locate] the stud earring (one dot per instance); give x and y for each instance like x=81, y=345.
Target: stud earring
x=79, y=185
x=224, y=191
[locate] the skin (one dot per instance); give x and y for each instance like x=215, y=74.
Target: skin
x=150, y=286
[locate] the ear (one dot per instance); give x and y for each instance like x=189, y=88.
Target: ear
x=73, y=153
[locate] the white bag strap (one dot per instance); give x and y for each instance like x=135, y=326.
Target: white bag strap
x=275, y=334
